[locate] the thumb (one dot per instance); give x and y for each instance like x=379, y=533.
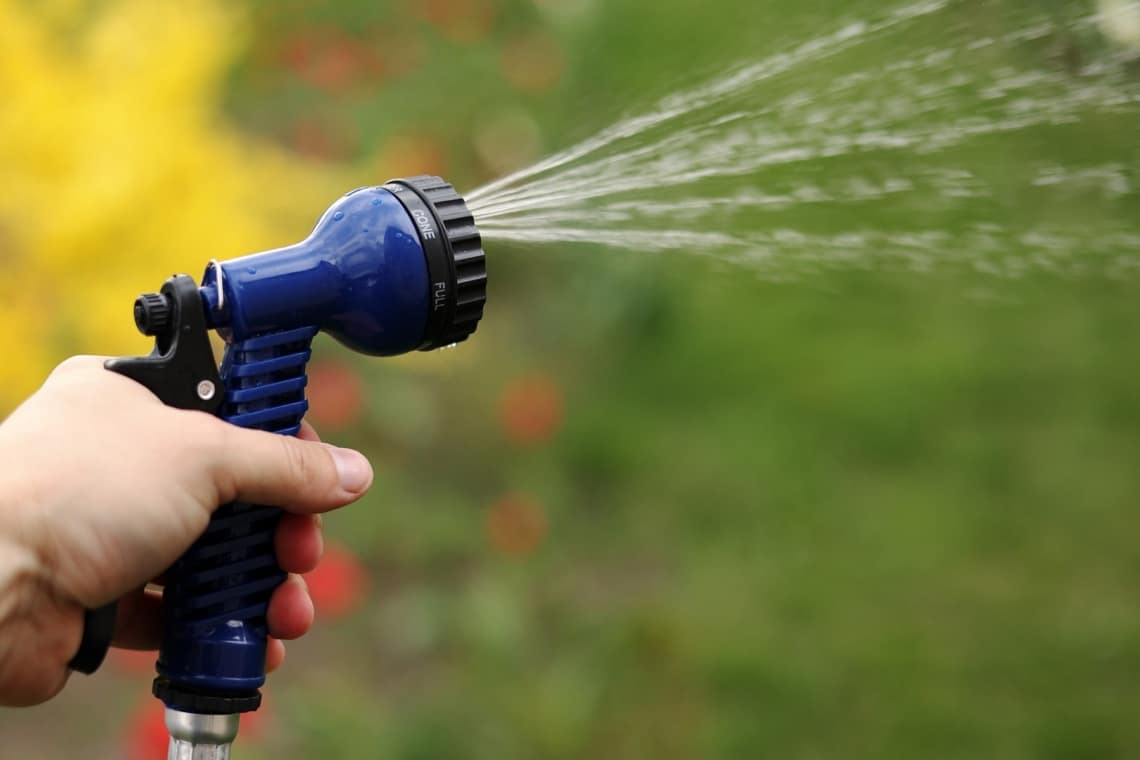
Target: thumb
x=282, y=471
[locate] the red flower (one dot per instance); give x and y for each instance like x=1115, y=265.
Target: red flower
x=298, y=51
x=335, y=395
x=146, y=737
x=516, y=525
x=532, y=409
x=338, y=584
x=331, y=61
x=253, y=724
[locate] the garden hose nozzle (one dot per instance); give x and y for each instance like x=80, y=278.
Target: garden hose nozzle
x=387, y=270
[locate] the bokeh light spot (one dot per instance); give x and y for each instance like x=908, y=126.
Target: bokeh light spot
x=532, y=409
x=533, y=62
x=507, y=140
x=335, y=393
x=516, y=525
x=459, y=20
x=411, y=155
x=338, y=584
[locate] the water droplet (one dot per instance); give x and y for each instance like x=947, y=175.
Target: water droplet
x=338, y=216
x=375, y=201
x=251, y=270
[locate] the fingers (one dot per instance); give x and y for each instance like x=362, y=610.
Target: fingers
x=138, y=624
x=79, y=363
x=274, y=654
x=308, y=433
x=299, y=542
x=290, y=612
x=290, y=615
x=298, y=475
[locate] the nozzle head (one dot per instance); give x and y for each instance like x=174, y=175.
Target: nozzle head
x=386, y=270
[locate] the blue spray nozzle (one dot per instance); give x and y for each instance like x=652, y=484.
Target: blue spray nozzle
x=386, y=270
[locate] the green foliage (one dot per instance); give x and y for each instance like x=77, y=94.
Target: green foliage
x=862, y=514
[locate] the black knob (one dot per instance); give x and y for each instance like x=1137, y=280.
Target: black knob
x=152, y=313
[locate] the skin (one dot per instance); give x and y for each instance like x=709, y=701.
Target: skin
x=102, y=487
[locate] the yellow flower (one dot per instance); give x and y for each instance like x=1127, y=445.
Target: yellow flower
x=118, y=168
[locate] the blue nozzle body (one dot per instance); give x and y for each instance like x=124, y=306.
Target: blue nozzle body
x=361, y=276
x=386, y=270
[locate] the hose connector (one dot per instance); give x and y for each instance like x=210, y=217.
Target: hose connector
x=200, y=737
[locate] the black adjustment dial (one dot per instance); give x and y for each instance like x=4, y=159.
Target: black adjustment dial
x=456, y=261
x=152, y=313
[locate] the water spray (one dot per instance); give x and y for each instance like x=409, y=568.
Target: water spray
x=728, y=168
x=387, y=270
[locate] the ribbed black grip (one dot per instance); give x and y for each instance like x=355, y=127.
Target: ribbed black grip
x=463, y=248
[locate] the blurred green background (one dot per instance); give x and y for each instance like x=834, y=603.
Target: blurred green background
x=656, y=507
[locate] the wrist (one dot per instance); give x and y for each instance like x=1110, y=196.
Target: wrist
x=40, y=630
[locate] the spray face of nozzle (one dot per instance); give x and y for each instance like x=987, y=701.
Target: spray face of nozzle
x=454, y=251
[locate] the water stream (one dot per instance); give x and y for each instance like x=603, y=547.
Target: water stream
x=836, y=151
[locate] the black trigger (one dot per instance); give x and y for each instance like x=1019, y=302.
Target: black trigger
x=181, y=370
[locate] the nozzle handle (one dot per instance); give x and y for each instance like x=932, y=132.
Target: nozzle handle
x=212, y=658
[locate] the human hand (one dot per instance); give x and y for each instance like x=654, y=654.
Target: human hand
x=103, y=487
